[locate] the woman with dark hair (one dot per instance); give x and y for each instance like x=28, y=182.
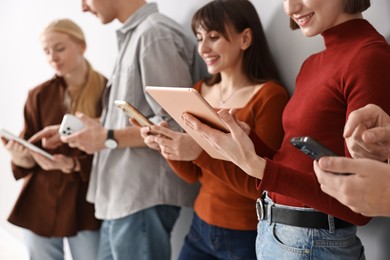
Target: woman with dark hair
x=244, y=77
x=297, y=219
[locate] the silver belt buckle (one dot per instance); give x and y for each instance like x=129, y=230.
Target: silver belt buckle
x=259, y=209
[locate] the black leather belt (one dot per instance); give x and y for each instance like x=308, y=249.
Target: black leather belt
x=297, y=218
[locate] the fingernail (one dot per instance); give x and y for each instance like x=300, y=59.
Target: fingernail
x=324, y=162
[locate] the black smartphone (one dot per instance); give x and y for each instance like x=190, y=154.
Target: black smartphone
x=311, y=147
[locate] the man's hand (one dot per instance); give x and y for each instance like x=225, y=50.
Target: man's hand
x=89, y=139
x=366, y=190
x=367, y=133
x=173, y=145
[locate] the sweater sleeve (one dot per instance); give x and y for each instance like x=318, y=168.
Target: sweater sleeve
x=31, y=126
x=267, y=124
x=230, y=174
x=368, y=78
x=186, y=170
x=365, y=81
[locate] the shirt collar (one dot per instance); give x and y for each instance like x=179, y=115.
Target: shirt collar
x=138, y=17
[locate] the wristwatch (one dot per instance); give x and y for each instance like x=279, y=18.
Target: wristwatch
x=110, y=142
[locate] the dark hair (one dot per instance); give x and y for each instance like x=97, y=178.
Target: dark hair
x=258, y=64
x=351, y=7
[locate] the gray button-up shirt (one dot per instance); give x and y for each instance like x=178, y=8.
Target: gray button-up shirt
x=153, y=50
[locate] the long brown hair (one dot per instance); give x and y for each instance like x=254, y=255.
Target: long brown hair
x=258, y=63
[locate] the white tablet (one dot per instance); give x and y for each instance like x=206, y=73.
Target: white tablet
x=177, y=100
x=8, y=135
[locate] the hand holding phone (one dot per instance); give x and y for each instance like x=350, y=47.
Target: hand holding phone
x=133, y=113
x=70, y=124
x=311, y=147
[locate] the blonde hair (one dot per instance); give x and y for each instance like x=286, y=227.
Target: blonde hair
x=88, y=99
x=66, y=26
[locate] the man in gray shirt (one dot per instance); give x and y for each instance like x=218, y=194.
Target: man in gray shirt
x=135, y=193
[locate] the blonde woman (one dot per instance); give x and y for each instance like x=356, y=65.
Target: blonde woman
x=52, y=204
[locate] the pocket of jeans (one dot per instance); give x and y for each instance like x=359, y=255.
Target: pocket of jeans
x=193, y=234
x=292, y=239
x=345, y=237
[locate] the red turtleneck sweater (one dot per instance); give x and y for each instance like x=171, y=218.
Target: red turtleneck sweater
x=353, y=71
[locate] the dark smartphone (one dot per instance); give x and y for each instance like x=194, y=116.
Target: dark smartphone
x=311, y=147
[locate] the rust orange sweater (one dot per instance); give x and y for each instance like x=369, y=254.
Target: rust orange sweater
x=227, y=195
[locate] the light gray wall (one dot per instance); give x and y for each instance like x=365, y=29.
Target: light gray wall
x=23, y=66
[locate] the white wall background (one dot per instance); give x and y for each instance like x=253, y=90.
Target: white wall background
x=23, y=66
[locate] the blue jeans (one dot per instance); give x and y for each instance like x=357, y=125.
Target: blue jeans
x=279, y=241
x=207, y=242
x=83, y=246
x=140, y=236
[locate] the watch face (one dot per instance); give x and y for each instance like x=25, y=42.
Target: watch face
x=111, y=144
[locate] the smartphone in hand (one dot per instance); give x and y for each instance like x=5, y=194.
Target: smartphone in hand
x=133, y=112
x=311, y=147
x=70, y=124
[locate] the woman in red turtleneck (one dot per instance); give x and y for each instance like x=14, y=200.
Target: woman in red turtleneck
x=299, y=220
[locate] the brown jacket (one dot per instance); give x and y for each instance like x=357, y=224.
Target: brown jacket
x=52, y=203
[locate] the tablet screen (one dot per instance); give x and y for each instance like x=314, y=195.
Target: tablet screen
x=177, y=100
x=8, y=135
